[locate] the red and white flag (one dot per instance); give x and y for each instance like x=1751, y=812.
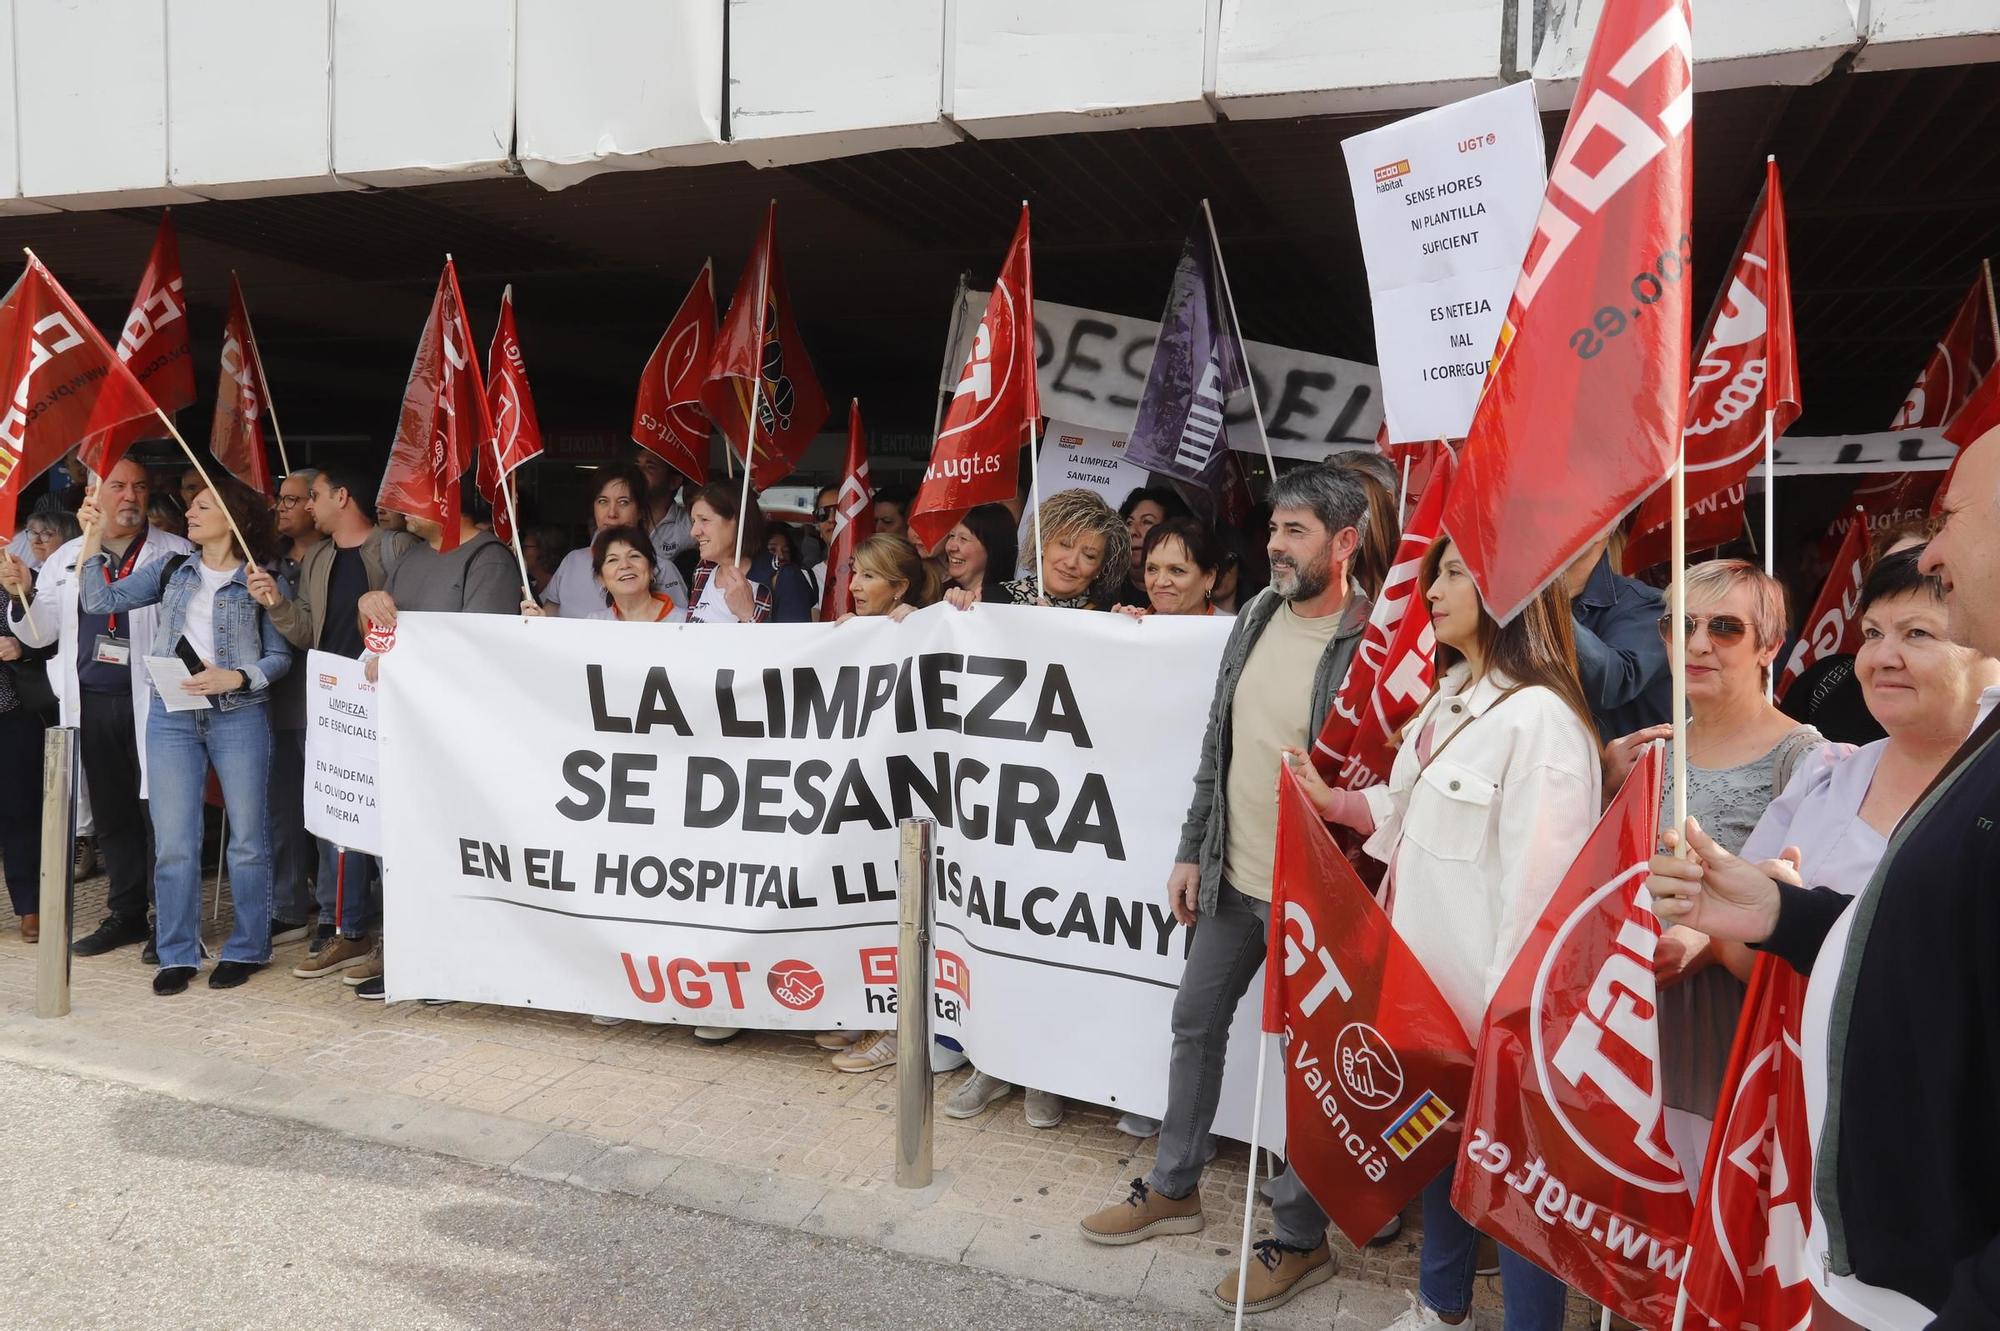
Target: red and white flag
x=154, y=345
x=65, y=381
x=1582, y=411
x=1747, y=378
x=1394, y=669
x=853, y=521
x=516, y=436
x=1376, y=1063
x=760, y=365
x=667, y=417
x=444, y=422
x=236, y=436
x=1747, y=1251
x=1834, y=626
x=1566, y=1159
x=977, y=457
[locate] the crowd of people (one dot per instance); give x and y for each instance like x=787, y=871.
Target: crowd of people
x=1867, y=790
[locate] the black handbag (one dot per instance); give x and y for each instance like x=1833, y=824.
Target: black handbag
x=32, y=691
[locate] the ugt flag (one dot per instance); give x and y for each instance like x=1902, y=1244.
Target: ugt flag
x=1834, y=626
x=1198, y=365
x=236, y=436
x=1581, y=415
x=1748, y=370
x=66, y=383
x=154, y=345
x=853, y=521
x=977, y=457
x=444, y=422
x=1376, y=1063
x=667, y=418
x=1749, y=1241
x=1566, y=1159
x=516, y=437
x=1394, y=669
x=760, y=389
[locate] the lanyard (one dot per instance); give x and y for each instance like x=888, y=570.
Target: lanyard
x=125, y=567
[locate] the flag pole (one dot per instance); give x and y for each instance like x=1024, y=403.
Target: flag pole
x=1770, y=519
x=1677, y=612
x=1229, y=298
x=270, y=398
x=1035, y=495
x=1250, y=1192
x=1992, y=302
x=1403, y=492
x=505, y=476
x=757, y=390
x=206, y=480
x=945, y=381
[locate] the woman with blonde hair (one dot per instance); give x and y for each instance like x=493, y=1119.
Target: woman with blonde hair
x=1085, y=553
x=890, y=578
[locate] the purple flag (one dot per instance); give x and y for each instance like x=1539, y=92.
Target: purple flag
x=1198, y=365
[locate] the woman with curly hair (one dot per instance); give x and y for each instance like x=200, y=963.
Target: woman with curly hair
x=1085, y=552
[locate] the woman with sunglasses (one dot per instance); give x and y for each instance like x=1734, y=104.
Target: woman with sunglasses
x=1741, y=752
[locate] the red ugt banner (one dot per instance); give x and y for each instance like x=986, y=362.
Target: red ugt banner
x=1376, y=1064
x=667, y=417
x=1749, y=1240
x=1833, y=627
x=853, y=521
x=1393, y=670
x=236, y=436
x=1566, y=1153
x=444, y=421
x=154, y=344
x=1581, y=415
x=516, y=437
x=977, y=457
x=66, y=383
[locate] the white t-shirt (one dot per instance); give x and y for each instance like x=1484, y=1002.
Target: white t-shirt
x=198, y=625
x=713, y=607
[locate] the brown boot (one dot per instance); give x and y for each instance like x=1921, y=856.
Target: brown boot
x=1278, y=1275
x=1144, y=1214
x=31, y=928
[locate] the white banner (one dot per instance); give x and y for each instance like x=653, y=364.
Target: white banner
x=1445, y=202
x=697, y=824
x=341, y=804
x=1091, y=367
x=1858, y=454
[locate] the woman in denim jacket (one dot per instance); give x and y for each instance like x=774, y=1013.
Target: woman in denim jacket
x=204, y=600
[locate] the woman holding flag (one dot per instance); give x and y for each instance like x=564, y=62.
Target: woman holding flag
x=1493, y=793
x=731, y=586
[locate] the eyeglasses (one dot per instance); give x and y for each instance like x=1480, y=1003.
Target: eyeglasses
x=290, y=501
x=1722, y=629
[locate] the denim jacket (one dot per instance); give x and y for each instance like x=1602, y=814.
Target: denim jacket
x=245, y=637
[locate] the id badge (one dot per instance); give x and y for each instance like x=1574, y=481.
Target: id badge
x=112, y=651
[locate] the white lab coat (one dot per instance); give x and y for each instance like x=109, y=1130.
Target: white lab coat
x=55, y=620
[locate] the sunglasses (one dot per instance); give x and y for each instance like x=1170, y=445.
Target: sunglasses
x=1722, y=629
x=824, y=513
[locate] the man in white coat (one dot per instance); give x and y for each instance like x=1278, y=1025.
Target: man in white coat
x=100, y=682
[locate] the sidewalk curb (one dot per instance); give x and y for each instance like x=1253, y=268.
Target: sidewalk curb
x=906, y=1223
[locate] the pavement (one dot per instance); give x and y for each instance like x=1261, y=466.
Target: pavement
x=638, y=1120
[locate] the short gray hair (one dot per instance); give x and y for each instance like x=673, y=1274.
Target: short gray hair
x=1337, y=496
x=304, y=475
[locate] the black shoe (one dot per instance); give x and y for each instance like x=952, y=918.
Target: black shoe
x=149, y=955
x=287, y=931
x=229, y=974
x=113, y=933
x=369, y=989
x=172, y=980
x=321, y=937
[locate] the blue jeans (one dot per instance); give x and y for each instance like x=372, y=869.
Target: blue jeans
x=1450, y=1261
x=180, y=748
x=350, y=895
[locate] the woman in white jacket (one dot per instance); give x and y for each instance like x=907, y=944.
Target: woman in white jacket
x=1493, y=792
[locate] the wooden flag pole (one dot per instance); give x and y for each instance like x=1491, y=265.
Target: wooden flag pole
x=1992, y=302
x=270, y=403
x=1677, y=612
x=207, y=481
x=1229, y=298
x=1035, y=497
x=757, y=392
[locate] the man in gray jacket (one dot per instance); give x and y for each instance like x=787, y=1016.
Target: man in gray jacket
x=1280, y=671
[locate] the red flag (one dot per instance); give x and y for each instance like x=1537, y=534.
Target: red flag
x=1393, y=670
x=760, y=360
x=1833, y=628
x=853, y=521
x=1980, y=413
x=67, y=383
x=1748, y=370
x=977, y=457
x=1749, y=1239
x=1958, y=370
x=154, y=344
x=516, y=436
x=667, y=418
x=444, y=421
x=1566, y=1155
x=1376, y=1063
x=237, y=435
x=1582, y=410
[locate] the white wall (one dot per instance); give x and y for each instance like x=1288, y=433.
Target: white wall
x=1282, y=58
x=423, y=90
x=250, y=126
x=1905, y=34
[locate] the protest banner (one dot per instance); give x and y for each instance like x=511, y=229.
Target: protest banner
x=1081, y=457
x=341, y=802
x=1445, y=202
x=697, y=824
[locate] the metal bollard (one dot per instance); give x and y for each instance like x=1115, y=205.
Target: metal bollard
x=59, y=750
x=913, y=1004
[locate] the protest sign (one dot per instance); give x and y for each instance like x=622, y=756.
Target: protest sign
x=1445, y=202
x=697, y=824
x=341, y=803
x=1081, y=457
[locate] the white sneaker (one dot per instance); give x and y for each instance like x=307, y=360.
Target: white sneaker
x=1045, y=1109
x=607, y=1021
x=876, y=1052
x=974, y=1094
x=946, y=1059
x=717, y=1034
x=1138, y=1125
x=1417, y=1317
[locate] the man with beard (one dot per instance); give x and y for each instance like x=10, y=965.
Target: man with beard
x=102, y=689
x=1280, y=672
